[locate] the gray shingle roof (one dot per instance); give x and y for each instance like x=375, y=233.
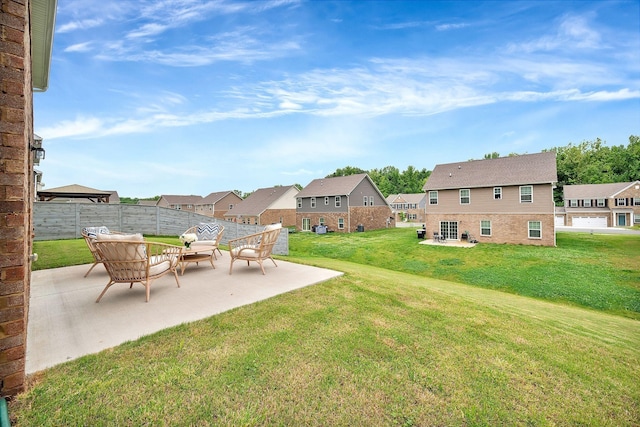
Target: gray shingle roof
x=407, y=197
x=212, y=198
x=336, y=186
x=537, y=168
x=182, y=200
x=259, y=201
x=593, y=191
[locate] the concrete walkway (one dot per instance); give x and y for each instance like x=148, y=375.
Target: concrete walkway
x=66, y=323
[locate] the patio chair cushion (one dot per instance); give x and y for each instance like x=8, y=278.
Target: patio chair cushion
x=140, y=250
x=206, y=231
x=156, y=269
x=247, y=251
x=94, y=231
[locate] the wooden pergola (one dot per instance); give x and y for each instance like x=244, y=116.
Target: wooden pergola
x=75, y=192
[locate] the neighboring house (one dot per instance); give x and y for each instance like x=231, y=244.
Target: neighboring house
x=408, y=207
x=218, y=204
x=75, y=193
x=503, y=200
x=601, y=205
x=266, y=206
x=344, y=203
x=181, y=203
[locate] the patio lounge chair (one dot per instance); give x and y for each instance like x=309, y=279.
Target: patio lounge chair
x=90, y=234
x=255, y=247
x=131, y=259
x=208, y=234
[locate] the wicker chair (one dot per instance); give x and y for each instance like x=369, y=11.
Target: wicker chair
x=130, y=259
x=255, y=247
x=209, y=234
x=90, y=234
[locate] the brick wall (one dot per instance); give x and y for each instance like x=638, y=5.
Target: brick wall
x=371, y=218
x=505, y=228
x=16, y=191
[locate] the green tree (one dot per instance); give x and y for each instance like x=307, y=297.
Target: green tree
x=346, y=171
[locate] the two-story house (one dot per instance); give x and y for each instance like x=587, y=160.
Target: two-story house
x=345, y=203
x=178, y=202
x=503, y=200
x=266, y=206
x=602, y=205
x=218, y=204
x=408, y=207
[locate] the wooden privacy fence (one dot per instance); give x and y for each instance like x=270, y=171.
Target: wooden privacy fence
x=55, y=221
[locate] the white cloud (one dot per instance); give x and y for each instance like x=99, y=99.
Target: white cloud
x=79, y=47
x=447, y=27
x=573, y=32
x=79, y=25
x=81, y=126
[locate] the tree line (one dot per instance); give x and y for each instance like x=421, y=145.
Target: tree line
x=589, y=162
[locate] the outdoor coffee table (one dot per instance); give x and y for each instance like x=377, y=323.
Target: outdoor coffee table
x=196, y=254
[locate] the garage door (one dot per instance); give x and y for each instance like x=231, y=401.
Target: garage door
x=590, y=221
x=559, y=220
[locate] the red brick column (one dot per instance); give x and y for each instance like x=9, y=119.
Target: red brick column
x=16, y=191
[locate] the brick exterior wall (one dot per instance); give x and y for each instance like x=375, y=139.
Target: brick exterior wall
x=505, y=228
x=16, y=191
x=271, y=216
x=371, y=218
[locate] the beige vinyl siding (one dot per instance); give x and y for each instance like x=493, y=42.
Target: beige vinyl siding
x=482, y=201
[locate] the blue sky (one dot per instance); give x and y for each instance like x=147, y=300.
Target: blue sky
x=151, y=97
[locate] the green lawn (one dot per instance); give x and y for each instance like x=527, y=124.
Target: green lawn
x=395, y=341
x=596, y=271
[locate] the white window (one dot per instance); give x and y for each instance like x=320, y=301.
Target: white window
x=573, y=203
x=636, y=218
x=341, y=223
x=526, y=194
x=535, y=230
x=621, y=202
x=600, y=203
x=365, y=201
x=497, y=193
x=485, y=228
x=306, y=224
x=321, y=221
x=326, y=200
x=636, y=201
x=338, y=201
x=299, y=202
x=465, y=197
x=586, y=203
x=313, y=203
x=433, y=197
x=179, y=207
x=370, y=200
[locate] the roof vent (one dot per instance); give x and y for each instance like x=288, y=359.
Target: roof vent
x=450, y=175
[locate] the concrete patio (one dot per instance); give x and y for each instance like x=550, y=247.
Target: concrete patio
x=65, y=322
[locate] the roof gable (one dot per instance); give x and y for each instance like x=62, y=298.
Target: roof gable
x=261, y=199
x=537, y=168
x=334, y=186
x=406, y=198
x=213, y=198
x=595, y=191
x=182, y=200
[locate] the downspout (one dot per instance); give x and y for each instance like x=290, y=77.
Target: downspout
x=348, y=214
